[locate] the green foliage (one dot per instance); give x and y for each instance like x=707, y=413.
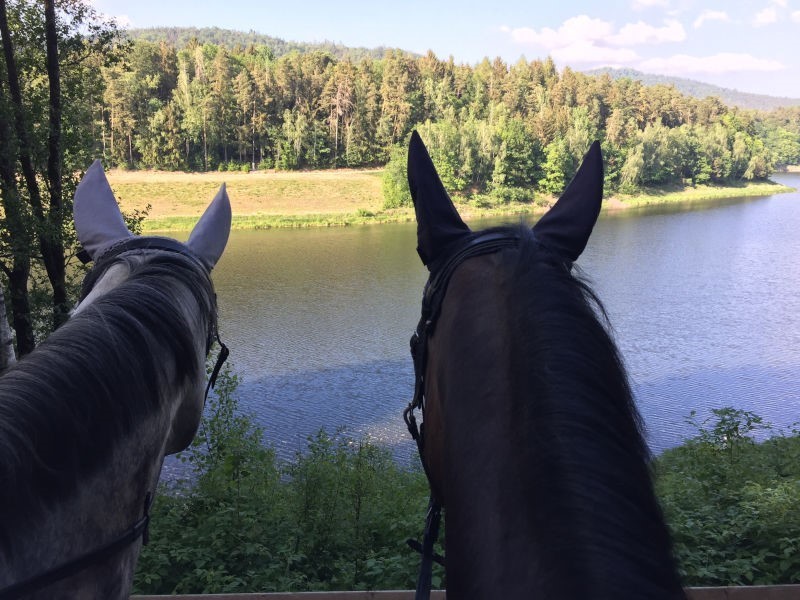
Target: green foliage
x=338, y=514
x=196, y=104
x=443, y=140
x=395, y=180
x=335, y=517
x=698, y=89
x=267, y=47
x=517, y=161
x=558, y=168
x=733, y=504
x=46, y=139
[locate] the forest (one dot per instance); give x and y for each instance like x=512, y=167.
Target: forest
x=493, y=127
x=74, y=87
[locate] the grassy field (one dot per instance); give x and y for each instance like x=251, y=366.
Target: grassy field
x=267, y=199
x=697, y=193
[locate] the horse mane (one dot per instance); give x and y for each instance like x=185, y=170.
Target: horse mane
x=63, y=407
x=581, y=434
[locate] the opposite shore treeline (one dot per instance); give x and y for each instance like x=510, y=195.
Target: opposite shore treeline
x=491, y=127
x=72, y=89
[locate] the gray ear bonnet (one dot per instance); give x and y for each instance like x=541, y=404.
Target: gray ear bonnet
x=99, y=222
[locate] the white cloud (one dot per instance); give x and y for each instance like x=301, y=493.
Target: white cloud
x=724, y=62
x=773, y=13
x=583, y=52
x=597, y=35
x=577, y=29
x=796, y=16
x=637, y=34
x=710, y=15
x=643, y=4
x=583, y=40
x=123, y=21
x=766, y=17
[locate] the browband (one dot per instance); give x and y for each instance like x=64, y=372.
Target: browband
x=130, y=244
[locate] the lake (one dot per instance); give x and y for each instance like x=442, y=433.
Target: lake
x=704, y=302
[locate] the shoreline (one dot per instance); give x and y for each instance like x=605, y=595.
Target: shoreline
x=267, y=200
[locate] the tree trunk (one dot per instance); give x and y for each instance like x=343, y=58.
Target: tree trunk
x=20, y=305
x=19, y=238
x=49, y=233
x=205, y=145
x=7, y=356
x=52, y=243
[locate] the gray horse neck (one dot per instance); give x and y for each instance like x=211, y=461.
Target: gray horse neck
x=90, y=415
x=106, y=505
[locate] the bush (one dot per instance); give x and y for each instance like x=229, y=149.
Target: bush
x=335, y=517
x=507, y=195
x=338, y=514
x=733, y=505
x=395, y=180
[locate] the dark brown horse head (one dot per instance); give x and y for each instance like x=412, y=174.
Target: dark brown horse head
x=531, y=438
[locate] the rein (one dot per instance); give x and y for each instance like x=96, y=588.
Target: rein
x=141, y=527
x=432, y=300
x=76, y=565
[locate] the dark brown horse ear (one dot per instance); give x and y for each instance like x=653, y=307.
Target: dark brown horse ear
x=566, y=227
x=438, y=222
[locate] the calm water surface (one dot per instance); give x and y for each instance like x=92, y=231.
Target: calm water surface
x=705, y=306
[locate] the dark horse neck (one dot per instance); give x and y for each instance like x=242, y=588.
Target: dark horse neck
x=546, y=483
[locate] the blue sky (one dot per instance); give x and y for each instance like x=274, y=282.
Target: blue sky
x=751, y=46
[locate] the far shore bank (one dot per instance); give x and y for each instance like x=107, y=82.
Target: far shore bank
x=265, y=200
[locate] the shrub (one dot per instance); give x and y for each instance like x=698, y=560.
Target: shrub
x=335, y=517
x=508, y=195
x=395, y=180
x=733, y=505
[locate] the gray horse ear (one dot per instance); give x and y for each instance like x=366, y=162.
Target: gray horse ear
x=566, y=227
x=209, y=237
x=98, y=220
x=438, y=222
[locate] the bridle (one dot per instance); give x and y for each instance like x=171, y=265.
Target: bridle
x=163, y=244
x=139, y=529
x=433, y=297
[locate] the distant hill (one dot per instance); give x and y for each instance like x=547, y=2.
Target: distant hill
x=181, y=36
x=698, y=89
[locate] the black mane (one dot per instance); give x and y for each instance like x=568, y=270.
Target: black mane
x=63, y=407
x=581, y=434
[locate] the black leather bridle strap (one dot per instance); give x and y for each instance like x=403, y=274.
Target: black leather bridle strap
x=432, y=521
x=75, y=566
x=109, y=256
x=221, y=358
x=432, y=300
x=433, y=297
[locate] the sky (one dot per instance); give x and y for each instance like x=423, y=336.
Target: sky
x=751, y=46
